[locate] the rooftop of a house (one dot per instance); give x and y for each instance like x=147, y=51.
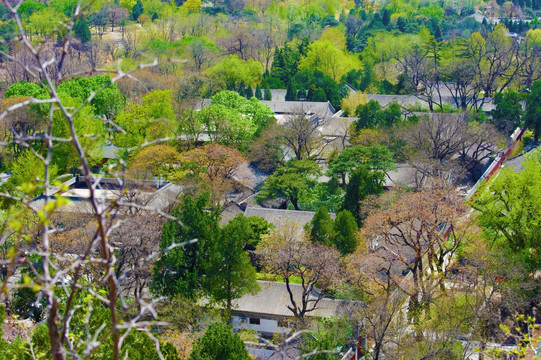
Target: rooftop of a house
x=280, y=217
x=412, y=100
x=156, y=194
x=273, y=300
x=110, y=151
x=229, y=211
x=403, y=174
x=516, y=162
x=249, y=175
x=319, y=109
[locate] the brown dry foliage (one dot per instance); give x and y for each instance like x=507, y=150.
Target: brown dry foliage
x=286, y=252
x=411, y=229
x=214, y=167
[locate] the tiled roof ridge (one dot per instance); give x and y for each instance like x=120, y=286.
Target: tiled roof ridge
x=284, y=210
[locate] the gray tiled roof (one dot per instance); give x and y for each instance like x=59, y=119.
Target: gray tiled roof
x=279, y=217
x=516, y=163
x=410, y=100
x=161, y=199
x=273, y=299
x=260, y=354
x=321, y=109
x=404, y=174
x=110, y=151
x=229, y=211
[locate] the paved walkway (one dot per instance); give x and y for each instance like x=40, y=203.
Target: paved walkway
x=119, y=41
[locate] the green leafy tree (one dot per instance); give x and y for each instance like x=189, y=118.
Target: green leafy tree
x=312, y=80
x=391, y=115
x=233, y=120
x=29, y=7
x=92, y=132
x=108, y=100
x=28, y=172
x=328, y=195
x=128, y=4
x=319, y=95
x=194, y=6
x=285, y=63
x=533, y=109
x=152, y=119
x=259, y=115
x=331, y=333
x=367, y=114
x=67, y=7
x=230, y=274
x=231, y=72
x=509, y=210
x=377, y=158
x=508, y=112
x=371, y=115
x=363, y=183
x=219, y=342
x=324, y=56
x=44, y=21
x=322, y=230
x=180, y=270
x=291, y=181
x=23, y=88
x=154, y=160
x=253, y=228
x=345, y=228
x=27, y=89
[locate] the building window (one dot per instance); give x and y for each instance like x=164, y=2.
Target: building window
x=255, y=321
x=283, y=323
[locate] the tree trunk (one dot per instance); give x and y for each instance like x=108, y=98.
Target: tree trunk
x=54, y=335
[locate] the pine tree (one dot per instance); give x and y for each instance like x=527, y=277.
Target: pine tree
x=533, y=110
x=322, y=227
x=267, y=95
x=362, y=183
x=241, y=90
x=319, y=95
x=181, y=270
x=386, y=18
x=345, y=227
x=249, y=93
x=230, y=273
x=366, y=79
x=82, y=31
x=137, y=10
x=291, y=93
x=311, y=91
x=258, y=93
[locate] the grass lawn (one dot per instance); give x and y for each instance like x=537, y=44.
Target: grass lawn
x=272, y=277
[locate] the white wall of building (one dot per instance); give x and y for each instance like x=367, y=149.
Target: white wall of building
x=266, y=325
